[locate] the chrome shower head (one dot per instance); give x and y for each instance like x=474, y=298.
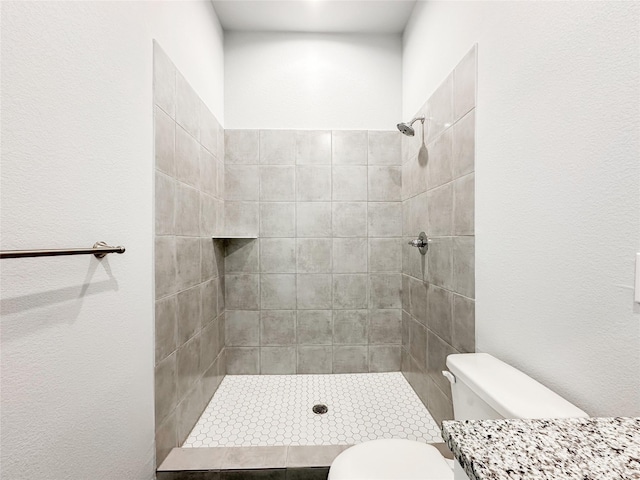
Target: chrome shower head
x=407, y=129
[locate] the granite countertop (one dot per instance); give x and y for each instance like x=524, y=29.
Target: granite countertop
x=558, y=449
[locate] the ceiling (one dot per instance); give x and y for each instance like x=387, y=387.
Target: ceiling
x=330, y=16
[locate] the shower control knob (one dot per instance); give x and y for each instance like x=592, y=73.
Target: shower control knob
x=418, y=243
x=421, y=243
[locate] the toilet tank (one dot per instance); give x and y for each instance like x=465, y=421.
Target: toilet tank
x=486, y=388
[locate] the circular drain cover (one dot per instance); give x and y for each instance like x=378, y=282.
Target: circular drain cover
x=320, y=409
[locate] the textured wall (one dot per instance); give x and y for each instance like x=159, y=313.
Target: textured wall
x=319, y=291
x=312, y=80
x=77, y=167
x=557, y=188
x=189, y=209
x=438, y=289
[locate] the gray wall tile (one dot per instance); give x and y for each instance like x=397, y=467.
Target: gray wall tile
x=315, y=359
x=314, y=255
x=278, y=360
x=441, y=262
x=187, y=157
x=440, y=162
x=188, y=364
x=277, y=183
x=385, y=326
x=313, y=147
x=464, y=266
x=190, y=337
x=314, y=327
x=166, y=327
x=242, y=292
x=165, y=204
x=165, y=387
x=384, y=358
x=208, y=130
x=242, y=328
x=313, y=183
x=209, y=212
x=277, y=220
x=349, y=147
x=464, y=324
x=278, y=255
x=385, y=254
x=349, y=219
x=187, y=210
x=277, y=327
x=464, y=87
x=385, y=184
x=189, y=410
x=418, y=299
x=243, y=360
x=277, y=147
x=349, y=183
x=241, y=218
x=313, y=219
x=189, y=313
x=384, y=148
x=241, y=146
x=440, y=207
x=385, y=290
x=164, y=81
x=440, y=104
x=277, y=291
x=385, y=219
x=464, y=145
x=187, y=107
x=350, y=255
x=165, y=134
x=313, y=291
x=350, y=327
x=349, y=291
x=350, y=359
x=464, y=205
x=241, y=183
x=187, y=262
x=439, y=309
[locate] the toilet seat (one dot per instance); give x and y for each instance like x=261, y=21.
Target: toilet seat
x=390, y=459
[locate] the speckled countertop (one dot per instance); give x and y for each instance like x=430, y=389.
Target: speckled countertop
x=558, y=449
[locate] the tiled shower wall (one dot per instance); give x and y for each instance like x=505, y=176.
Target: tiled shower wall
x=319, y=291
x=189, y=312
x=438, y=290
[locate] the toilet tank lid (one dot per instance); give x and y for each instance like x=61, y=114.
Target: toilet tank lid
x=507, y=390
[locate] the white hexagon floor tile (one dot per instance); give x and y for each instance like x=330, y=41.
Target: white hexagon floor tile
x=261, y=410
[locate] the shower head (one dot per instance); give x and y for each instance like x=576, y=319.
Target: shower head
x=407, y=129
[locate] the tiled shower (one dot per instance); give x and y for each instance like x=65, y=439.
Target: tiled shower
x=283, y=252
x=319, y=291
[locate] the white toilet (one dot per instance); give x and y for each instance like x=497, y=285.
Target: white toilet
x=482, y=387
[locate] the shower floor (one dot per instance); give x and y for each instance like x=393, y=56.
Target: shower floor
x=264, y=410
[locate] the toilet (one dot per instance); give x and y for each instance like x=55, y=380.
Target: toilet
x=482, y=387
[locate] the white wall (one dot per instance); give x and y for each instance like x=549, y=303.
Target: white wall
x=77, y=167
x=557, y=184
x=312, y=81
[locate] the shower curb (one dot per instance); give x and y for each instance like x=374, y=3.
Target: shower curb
x=235, y=463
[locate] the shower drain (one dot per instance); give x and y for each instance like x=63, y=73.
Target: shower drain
x=320, y=409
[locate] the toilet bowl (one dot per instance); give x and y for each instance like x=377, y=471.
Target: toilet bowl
x=391, y=459
x=482, y=387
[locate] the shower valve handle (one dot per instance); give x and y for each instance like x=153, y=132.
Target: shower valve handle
x=421, y=243
x=418, y=243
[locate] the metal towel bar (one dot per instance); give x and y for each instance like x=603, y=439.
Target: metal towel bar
x=99, y=249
